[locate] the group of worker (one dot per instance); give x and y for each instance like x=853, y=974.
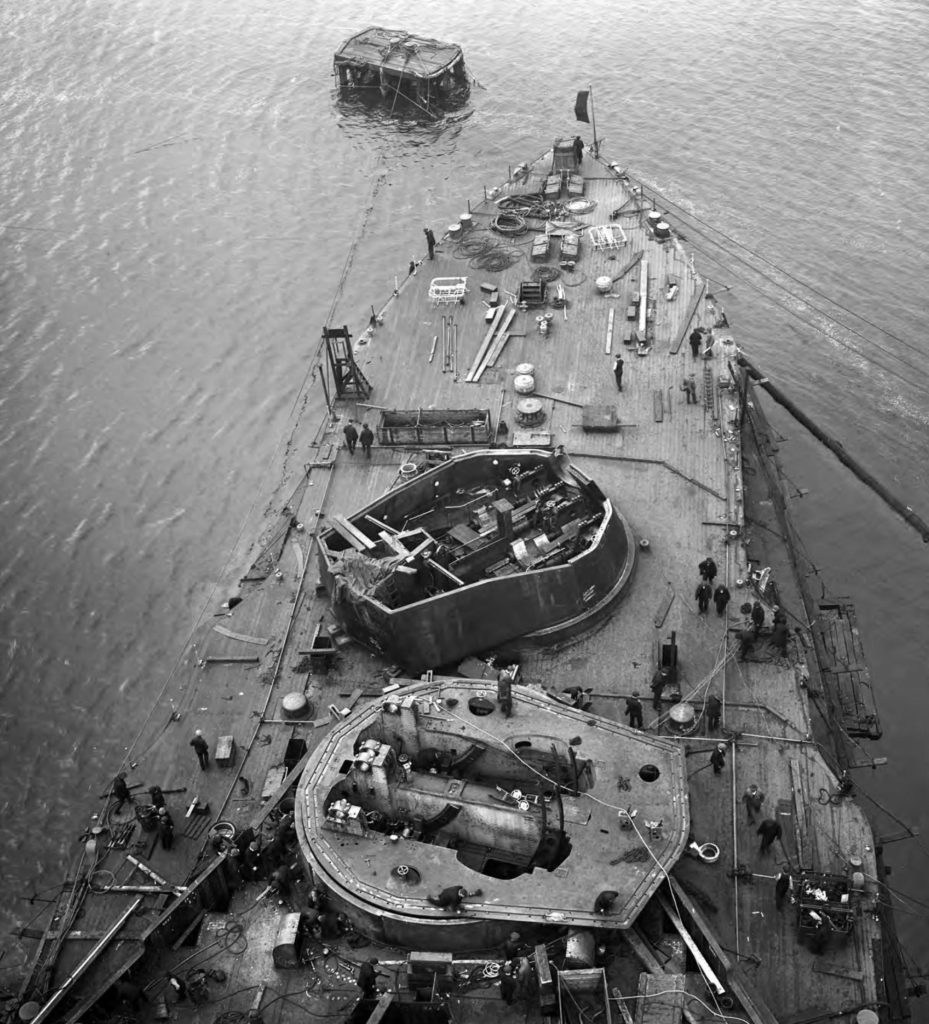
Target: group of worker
x=352, y=437
x=778, y=636
x=121, y=793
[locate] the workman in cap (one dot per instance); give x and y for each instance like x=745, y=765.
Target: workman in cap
x=450, y=898
x=367, y=439
x=703, y=593
x=367, y=978
x=714, y=710
x=696, y=339
x=507, y=984
x=721, y=597
x=165, y=828
x=753, y=798
x=769, y=830
x=718, y=758
x=430, y=242
x=783, y=885
x=746, y=643
x=157, y=797
x=121, y=792
x=618, y=364
x=757, y=617
x=660, y=680
x=202, y=749
x=634, y=710
x=351, y=436
x=512, y=945
x=707, y=569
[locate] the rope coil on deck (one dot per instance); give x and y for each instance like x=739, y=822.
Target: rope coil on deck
x=509, y=224
x=498, y=258
x=546, y=273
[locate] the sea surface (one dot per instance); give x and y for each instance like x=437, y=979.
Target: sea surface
x=181, y=196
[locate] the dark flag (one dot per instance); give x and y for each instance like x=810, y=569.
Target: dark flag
x=580, y=106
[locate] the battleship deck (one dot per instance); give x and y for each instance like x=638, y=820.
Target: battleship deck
x=673, y=469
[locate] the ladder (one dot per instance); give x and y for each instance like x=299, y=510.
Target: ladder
x=709, y=398
x=348, y=378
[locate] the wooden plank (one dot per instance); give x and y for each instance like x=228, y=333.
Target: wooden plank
x=801, y=809
x=643, y=295
x=485, y=344
x=351, y=533
x=736, y=978
x=705, y=968
x=497, y=347
x=658, y=405
x=608, y=348
x=620, y=1001
x=261, y=641
x=93, y=955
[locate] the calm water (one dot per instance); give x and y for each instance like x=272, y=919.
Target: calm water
x=180, y=192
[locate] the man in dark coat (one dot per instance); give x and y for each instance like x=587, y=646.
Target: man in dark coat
x=201, y=749
x=721, y=597
x=450, y=898
x=351, y=436
x=782, y=887
x=430, y=242
x=660, y=680
x=578, y=148
x=696, y=337
x=634, y=710
x=757, y=617
x=157, y=797
x=703, y=593
x=367, y=978
x=165, y=828
x=507, y=984
x=618, y=372
x=714, y=709
x=753, y=798
x=367, y=439
x=718, y=758
x=707, y=569
x=121, y=792
x=769, y=830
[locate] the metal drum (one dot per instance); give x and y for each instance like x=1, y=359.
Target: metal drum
x=526, y=368
x=524, y=383
x=529, y=412
x=681, y=717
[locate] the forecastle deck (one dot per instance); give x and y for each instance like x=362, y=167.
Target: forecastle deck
x=675, y=469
